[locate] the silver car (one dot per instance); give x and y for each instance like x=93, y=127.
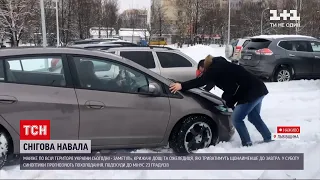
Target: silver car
x=104, y=98
x=233, y=50
x=169, y=63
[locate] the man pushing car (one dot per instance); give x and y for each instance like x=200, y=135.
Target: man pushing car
x=243, y=92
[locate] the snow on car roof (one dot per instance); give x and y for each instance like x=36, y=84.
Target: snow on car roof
x=280, y=36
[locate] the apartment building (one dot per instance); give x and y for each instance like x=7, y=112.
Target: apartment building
x=171, y=11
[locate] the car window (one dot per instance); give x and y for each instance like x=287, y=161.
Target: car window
x=245, y=43
x=172, y=60
x=113, y=77
x=315, y=46
x=35, y=71
x=143, y=58
x=234, y=42
x=303, y=46
x=256, y=44
x=288, y=45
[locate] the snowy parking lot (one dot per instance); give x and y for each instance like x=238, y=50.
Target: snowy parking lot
x=295, y=103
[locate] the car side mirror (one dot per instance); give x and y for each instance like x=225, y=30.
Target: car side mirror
x=154, y=89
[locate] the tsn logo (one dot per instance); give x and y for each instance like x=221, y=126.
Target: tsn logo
x=34, y=129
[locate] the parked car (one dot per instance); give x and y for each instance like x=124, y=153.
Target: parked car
x=123, y=105
x=233, y=51
x=56, y=64
x=168, y=62
x=93, y=41
x=282, y=57
x=98, y=46
x=122, y=43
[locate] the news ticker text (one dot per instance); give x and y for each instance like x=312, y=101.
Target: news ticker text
x=160, y=161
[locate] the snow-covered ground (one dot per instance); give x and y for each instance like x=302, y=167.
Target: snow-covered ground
x=295, y=103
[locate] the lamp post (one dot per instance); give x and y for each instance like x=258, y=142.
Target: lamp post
x=43, y=24
x=57, y=22
x=229, y=12
x=261, y=26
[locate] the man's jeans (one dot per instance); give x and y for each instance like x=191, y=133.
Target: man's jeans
x=252, y=110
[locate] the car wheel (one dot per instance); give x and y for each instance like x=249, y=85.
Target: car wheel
x=283, y=74
x=195, y=132
x=4, y=140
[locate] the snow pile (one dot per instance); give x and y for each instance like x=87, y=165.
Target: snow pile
x=294, y=103
x=199, y=52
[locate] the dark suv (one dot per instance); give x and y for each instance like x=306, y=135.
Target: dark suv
x=282, y=57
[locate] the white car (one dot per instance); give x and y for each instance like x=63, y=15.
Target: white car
x=233, y=50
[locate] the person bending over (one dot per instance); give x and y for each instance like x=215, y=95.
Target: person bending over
x=243, y=92
x=199, y=72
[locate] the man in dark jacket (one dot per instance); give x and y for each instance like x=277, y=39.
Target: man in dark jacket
x=199, y=73
x=240, y=88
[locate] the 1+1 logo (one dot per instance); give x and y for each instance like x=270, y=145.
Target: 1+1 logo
x=292, y=15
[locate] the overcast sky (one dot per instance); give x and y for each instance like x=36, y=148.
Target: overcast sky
x=138, y=4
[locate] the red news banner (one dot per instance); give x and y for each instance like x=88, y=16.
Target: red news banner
x=39, y=152
x=288, y=129
x=287, y=133
x=35, y=137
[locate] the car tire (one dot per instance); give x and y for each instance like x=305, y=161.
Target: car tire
x=189, y=132
x=4, y=147
x=283, y=74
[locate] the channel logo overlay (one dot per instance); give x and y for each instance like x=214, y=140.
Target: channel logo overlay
x=35, y=138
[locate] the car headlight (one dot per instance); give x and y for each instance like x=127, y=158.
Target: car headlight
x=223, y=108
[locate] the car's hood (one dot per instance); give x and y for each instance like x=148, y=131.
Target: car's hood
x=211, y=97
x=201, y=92
x=219, y=102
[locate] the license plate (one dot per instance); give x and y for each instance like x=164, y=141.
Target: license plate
x=247, y=57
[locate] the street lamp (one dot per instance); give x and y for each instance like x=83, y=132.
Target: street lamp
x=229, y=12
x=262, y=19
x=44, y=33
x=57, y=22
x=43, y=25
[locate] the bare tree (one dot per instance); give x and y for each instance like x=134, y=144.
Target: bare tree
x=310, y=18
x=146, y=27
x=130, y=18
x=110, y=14
x=248, y=20
x=118, y=23
x=14, y=15
x=184, y=18
x=159, y=22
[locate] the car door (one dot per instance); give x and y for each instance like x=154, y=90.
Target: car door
x=316, y=63
x=299, y=53
x=143, y=58
x=30, y=91
x=112, y=111
x=175, y=66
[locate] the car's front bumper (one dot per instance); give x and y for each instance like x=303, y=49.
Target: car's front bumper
x=226, y=129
